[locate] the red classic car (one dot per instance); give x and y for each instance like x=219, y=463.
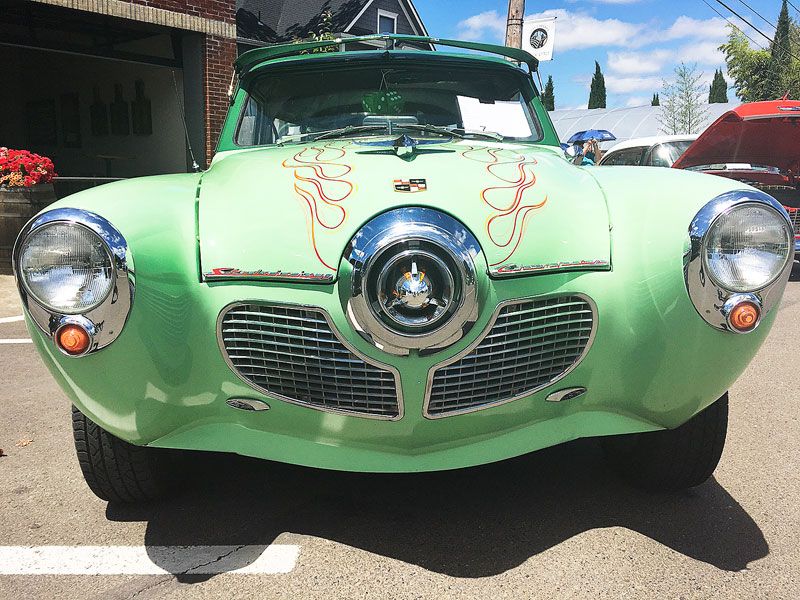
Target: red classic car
x=759, y=144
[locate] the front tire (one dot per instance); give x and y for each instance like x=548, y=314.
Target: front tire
x=673, y=459
x=117, y=471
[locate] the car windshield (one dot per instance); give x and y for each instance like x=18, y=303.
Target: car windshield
x=665, y=155
x=380, y=99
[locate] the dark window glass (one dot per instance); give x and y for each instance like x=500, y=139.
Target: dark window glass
x=387, y=24
x=629, y=156
x=291, y=106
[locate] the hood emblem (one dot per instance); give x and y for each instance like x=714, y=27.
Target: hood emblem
x=410, y=186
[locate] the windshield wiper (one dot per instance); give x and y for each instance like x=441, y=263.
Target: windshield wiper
x=331, y=133
x=458, y=133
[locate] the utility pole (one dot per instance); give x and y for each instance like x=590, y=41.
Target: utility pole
x=516, y=10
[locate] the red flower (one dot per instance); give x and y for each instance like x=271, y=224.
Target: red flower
x=24, y=168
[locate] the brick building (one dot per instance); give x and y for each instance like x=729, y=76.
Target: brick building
x=103, y=86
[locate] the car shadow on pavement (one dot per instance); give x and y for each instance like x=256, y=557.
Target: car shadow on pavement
x=475, y=522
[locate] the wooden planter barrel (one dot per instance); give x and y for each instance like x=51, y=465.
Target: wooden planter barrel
x=17, y=206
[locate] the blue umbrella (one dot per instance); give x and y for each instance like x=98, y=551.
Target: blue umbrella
x=601, y=135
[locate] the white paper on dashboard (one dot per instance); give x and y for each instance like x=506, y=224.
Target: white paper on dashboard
x=506, y=118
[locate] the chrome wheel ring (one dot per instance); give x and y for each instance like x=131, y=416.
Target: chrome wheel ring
x=414, y=284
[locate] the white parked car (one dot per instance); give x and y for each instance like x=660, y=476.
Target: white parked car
x=655, y=151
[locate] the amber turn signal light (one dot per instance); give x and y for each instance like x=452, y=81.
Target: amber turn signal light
x=744, y=316
x=73, y=339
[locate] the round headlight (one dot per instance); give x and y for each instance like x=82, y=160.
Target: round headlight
x=66, y=267
x=747, y=247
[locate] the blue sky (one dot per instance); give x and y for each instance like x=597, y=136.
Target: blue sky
x=638, y=43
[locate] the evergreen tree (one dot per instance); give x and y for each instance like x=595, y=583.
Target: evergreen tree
x=718, y=91
x=597, y=94
x=656, y=100
x=780, y=56
x=549, y=95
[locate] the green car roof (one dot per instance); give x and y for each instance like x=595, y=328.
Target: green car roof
x=258, y=56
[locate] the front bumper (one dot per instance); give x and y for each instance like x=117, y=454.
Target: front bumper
x=654, y=364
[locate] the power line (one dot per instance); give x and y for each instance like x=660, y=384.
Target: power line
x=797, y=10
x=733, y=24
x=746, y=22
x=758, y=14
x=756, y=29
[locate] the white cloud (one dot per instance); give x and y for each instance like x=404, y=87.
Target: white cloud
x=581, y=30
x=638, y=101
x=638, y=63
x=687, y=27
x=486, y=24
x=702, y=53
x=627, y=85
x=628, y=63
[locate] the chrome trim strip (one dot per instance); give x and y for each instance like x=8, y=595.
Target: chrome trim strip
x=109, y=317
x=482, y=336
x=247, y=404
x=383, y=366
x=566, y=394
x=515, y=270
x=707, y=296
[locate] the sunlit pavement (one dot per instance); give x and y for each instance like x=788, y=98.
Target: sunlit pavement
x=553, y=524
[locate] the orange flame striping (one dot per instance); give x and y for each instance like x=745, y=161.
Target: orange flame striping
x=526, y=179
x=313, y=166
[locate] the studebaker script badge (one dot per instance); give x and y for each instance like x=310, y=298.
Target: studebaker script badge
x=512, y=269
x=410, y=185
x=230, y=273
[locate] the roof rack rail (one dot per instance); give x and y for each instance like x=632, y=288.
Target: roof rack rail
x=260, y=55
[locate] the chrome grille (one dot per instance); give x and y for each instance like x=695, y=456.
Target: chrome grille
x=292, y=352
x=531, y=344
x=794, y=215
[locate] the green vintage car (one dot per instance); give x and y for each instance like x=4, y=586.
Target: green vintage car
x=391, y=267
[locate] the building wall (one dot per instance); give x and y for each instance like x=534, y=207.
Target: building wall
x=215, y=19
x=219, y=56
x=223, y=10
x=369, y=20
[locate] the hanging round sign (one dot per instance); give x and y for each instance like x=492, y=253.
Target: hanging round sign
x=538, y=38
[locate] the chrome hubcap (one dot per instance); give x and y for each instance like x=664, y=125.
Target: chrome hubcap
x=413, y=280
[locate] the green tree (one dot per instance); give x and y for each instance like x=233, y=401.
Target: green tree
x=718, y=90
x=684, y=109
x=656, y=100
x=765, y=74
x=323, y=33
x=549, y=95
x=597, y=93
x=780, y=60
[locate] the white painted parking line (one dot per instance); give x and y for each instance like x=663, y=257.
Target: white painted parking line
x=11, y=319
x=147, y=560
x=17, y=341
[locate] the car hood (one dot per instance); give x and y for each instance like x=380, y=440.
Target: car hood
x=760, y=133
x=289, y=212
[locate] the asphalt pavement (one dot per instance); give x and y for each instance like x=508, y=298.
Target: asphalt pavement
x=553, y=524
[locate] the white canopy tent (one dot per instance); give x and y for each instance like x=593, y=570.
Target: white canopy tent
x=624, y=123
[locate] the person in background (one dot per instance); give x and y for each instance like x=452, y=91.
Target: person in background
x=587, y=154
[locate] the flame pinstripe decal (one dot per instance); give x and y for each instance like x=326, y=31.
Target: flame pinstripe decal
x=321, y=184
x=513, y=212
